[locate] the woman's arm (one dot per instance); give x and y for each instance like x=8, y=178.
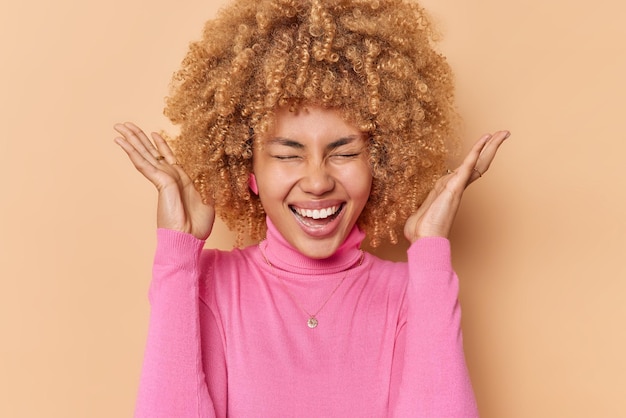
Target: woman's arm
x=430, y=373
x=173, y=383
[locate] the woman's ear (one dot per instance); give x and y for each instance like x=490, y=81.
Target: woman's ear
x=252, y=184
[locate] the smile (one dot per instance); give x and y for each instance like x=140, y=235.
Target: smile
x=317, y=213
x=320, y=222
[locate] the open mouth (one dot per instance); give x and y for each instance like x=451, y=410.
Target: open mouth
x=317, y=217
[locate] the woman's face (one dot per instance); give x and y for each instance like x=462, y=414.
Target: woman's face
x=313, y=178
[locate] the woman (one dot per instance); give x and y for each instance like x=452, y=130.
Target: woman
x=310, y=123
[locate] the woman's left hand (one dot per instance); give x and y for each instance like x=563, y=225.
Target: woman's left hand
x=435, y=216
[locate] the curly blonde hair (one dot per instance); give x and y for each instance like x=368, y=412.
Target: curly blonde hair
x=372, y=60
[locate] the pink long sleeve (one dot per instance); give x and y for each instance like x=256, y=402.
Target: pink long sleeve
x=172, y=381
x=434, y=380
x=226, y=339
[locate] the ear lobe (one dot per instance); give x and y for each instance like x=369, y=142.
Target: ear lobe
x=252, y=184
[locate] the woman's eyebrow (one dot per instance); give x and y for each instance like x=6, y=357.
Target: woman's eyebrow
x=342, y=141
x=295, y=144
x=285, y=142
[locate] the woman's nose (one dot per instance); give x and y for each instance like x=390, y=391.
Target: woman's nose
x=317, y=180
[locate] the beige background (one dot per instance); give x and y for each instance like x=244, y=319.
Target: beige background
x=539, y=243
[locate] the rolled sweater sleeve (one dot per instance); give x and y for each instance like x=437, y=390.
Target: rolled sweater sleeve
x=172, y=380
x=433, y=376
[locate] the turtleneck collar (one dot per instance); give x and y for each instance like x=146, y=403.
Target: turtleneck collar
x=284, y=256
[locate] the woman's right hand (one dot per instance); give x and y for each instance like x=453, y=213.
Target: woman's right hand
x=180, y=206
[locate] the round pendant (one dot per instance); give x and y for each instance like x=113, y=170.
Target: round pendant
x=312, y=322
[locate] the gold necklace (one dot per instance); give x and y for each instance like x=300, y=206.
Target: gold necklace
x=312, y=322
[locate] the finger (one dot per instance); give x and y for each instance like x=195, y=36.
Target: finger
x=164, y=149
x=144, y=166
x=488, y=154
x=143, y=138
x=170, y=158
x=131, y=134
x=463, y=174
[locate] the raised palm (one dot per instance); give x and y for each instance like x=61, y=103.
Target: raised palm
x=180, y=206
x=436, y=214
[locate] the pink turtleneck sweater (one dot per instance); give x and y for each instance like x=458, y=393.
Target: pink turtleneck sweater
x=228, y=333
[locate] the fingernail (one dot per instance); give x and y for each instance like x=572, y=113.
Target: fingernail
x=508, y=134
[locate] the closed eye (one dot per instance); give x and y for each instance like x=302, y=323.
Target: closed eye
x=345, y=155
x=285, y=157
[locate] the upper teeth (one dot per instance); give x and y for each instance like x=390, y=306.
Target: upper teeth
x=317, y=213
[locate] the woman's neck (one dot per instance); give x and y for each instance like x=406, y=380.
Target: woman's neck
x=283, y=256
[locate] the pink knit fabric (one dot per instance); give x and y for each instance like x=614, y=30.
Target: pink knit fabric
x=228, y=333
